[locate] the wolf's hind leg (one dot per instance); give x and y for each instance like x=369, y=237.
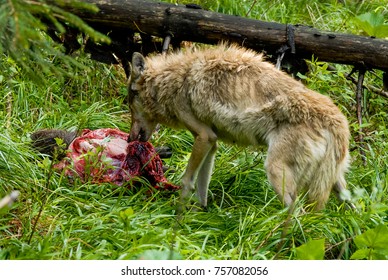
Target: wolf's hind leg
x=282, y=182
x=280, y=174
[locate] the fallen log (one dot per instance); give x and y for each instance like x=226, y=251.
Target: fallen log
x=190, y=23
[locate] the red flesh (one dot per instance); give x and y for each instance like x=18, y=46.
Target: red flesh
x=103, y=155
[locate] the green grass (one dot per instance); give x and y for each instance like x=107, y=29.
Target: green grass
x=59, y=219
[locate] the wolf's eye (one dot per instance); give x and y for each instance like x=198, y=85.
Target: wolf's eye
x=134, y=90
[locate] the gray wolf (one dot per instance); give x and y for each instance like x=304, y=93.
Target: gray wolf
x=230, y=93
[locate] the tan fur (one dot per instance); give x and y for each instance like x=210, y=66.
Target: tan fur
x=230, y=93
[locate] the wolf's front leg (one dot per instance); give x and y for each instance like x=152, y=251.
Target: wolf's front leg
x=200, y=164
x=204, y=175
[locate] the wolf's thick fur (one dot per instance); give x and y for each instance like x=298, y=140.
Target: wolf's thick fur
x=230, y=93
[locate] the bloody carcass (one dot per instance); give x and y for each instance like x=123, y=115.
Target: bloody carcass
x=104, y=155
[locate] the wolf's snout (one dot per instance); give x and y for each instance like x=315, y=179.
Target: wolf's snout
x=142, y=137
x=137, y=136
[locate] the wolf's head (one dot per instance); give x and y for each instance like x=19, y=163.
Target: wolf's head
x=143, y=123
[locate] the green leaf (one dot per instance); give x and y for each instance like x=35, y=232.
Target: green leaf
x=361, y=254
x=45, y=164
x=372, y=24
x=301, y=76
x=376, y=238
x=373, y=19
x=372, y=244
x=127, y=213
x=382, y=31
x=312, y=250
x=153, y=254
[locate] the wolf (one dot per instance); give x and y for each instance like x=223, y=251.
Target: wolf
x=232, y=94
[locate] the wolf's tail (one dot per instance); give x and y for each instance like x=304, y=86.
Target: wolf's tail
x=331, y=171
x=44, y=141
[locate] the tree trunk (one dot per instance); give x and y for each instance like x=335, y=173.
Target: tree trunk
x=190, y=23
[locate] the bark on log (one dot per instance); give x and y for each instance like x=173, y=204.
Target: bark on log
x=188, y=23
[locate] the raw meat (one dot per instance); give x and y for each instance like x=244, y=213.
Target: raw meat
x=104, y=155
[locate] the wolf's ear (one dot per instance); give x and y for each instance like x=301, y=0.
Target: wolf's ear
x=138, y=64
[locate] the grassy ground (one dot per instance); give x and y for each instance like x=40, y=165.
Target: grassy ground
x=58, y=219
